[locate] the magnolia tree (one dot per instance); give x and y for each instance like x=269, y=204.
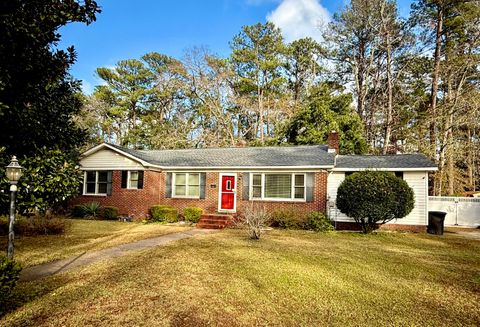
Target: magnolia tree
x=374, y=197
x=49, y=180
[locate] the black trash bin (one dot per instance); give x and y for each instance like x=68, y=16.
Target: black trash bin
x=436, y=220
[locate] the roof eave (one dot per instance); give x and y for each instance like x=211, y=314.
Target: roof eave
x=243, y=167
x=387, y=169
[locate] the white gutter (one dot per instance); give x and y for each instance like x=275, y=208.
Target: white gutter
x=387, y=169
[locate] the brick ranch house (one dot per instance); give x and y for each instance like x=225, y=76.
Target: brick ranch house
x=225, y=180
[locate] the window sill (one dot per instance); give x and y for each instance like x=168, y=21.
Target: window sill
x=88, y=194
x=279, y=200
x=186, y=197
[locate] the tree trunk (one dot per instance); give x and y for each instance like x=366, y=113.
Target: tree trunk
x=388, y=118
x=470, y=163
x=435, y=78
x=260, y=113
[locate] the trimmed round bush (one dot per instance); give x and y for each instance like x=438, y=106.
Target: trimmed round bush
x=9, y=274
x=110, y=213
x=163, y=213
x=374, y=197
x=318, y=222
x=192, y=214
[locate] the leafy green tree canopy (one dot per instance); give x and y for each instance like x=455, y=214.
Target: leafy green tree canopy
x=374, y=197
x=49, y=180
x=327, y=109
x=37, y=96
x=302, y=65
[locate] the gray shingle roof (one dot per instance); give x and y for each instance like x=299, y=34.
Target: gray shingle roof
x=279, y=156
x=397, y=161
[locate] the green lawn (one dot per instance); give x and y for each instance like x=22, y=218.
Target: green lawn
x=82, y=236
x=289, y=278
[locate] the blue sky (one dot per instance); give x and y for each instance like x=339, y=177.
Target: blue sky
x=128, y=29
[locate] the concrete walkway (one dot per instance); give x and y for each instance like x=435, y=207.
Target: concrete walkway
x=55, y=267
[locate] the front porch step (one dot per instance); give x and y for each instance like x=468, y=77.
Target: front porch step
x=214, y=221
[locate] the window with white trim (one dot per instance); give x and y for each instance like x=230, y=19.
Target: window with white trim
x=132, y=179
x=257, y=186
x=96, y=182
x=279, y=186
x=186, y=185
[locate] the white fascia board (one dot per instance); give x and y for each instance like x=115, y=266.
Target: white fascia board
x=120, y=169
x=108, y=146
x=110, y=168
x=386, y=169
x=246, y=168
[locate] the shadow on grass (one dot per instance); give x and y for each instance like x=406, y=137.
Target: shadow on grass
x=26, y=292
x=282, y=275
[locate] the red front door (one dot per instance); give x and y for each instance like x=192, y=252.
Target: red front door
x=227, y=193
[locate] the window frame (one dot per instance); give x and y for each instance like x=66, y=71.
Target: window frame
x=187, y=186
x=96, y=183
x=129, y=174
x=292, y=187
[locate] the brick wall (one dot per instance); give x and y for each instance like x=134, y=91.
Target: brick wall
x=318, y=203
x=210, y=203
x=129, y=201
x=138, y=202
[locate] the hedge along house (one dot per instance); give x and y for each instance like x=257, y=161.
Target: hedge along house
x=225, y=180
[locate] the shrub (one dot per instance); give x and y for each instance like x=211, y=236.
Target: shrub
x=110, y=213
x=163, y=213
x=192, y=214
x=254, y=219
x=374, y=197
x=9, y=274
x=91, y=210
x=77, y=211
x=317, y=221
x=288, y=219
x=35, y=226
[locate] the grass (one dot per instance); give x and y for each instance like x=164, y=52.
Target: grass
x=83, y=236
x=289, y=278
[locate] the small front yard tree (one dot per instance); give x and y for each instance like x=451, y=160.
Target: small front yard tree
x=255, y=220
x=374, y=197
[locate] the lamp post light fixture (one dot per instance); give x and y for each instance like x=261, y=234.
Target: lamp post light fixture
x=13, y=172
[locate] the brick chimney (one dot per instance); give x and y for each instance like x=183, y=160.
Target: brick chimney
x=333, y=142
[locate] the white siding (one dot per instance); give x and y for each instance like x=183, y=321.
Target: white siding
x=416, y=180
x=333, y=182
x=108, y=159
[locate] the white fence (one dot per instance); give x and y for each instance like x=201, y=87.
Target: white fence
x=460, y=211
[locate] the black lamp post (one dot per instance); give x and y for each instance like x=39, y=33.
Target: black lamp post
x=13, y=172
